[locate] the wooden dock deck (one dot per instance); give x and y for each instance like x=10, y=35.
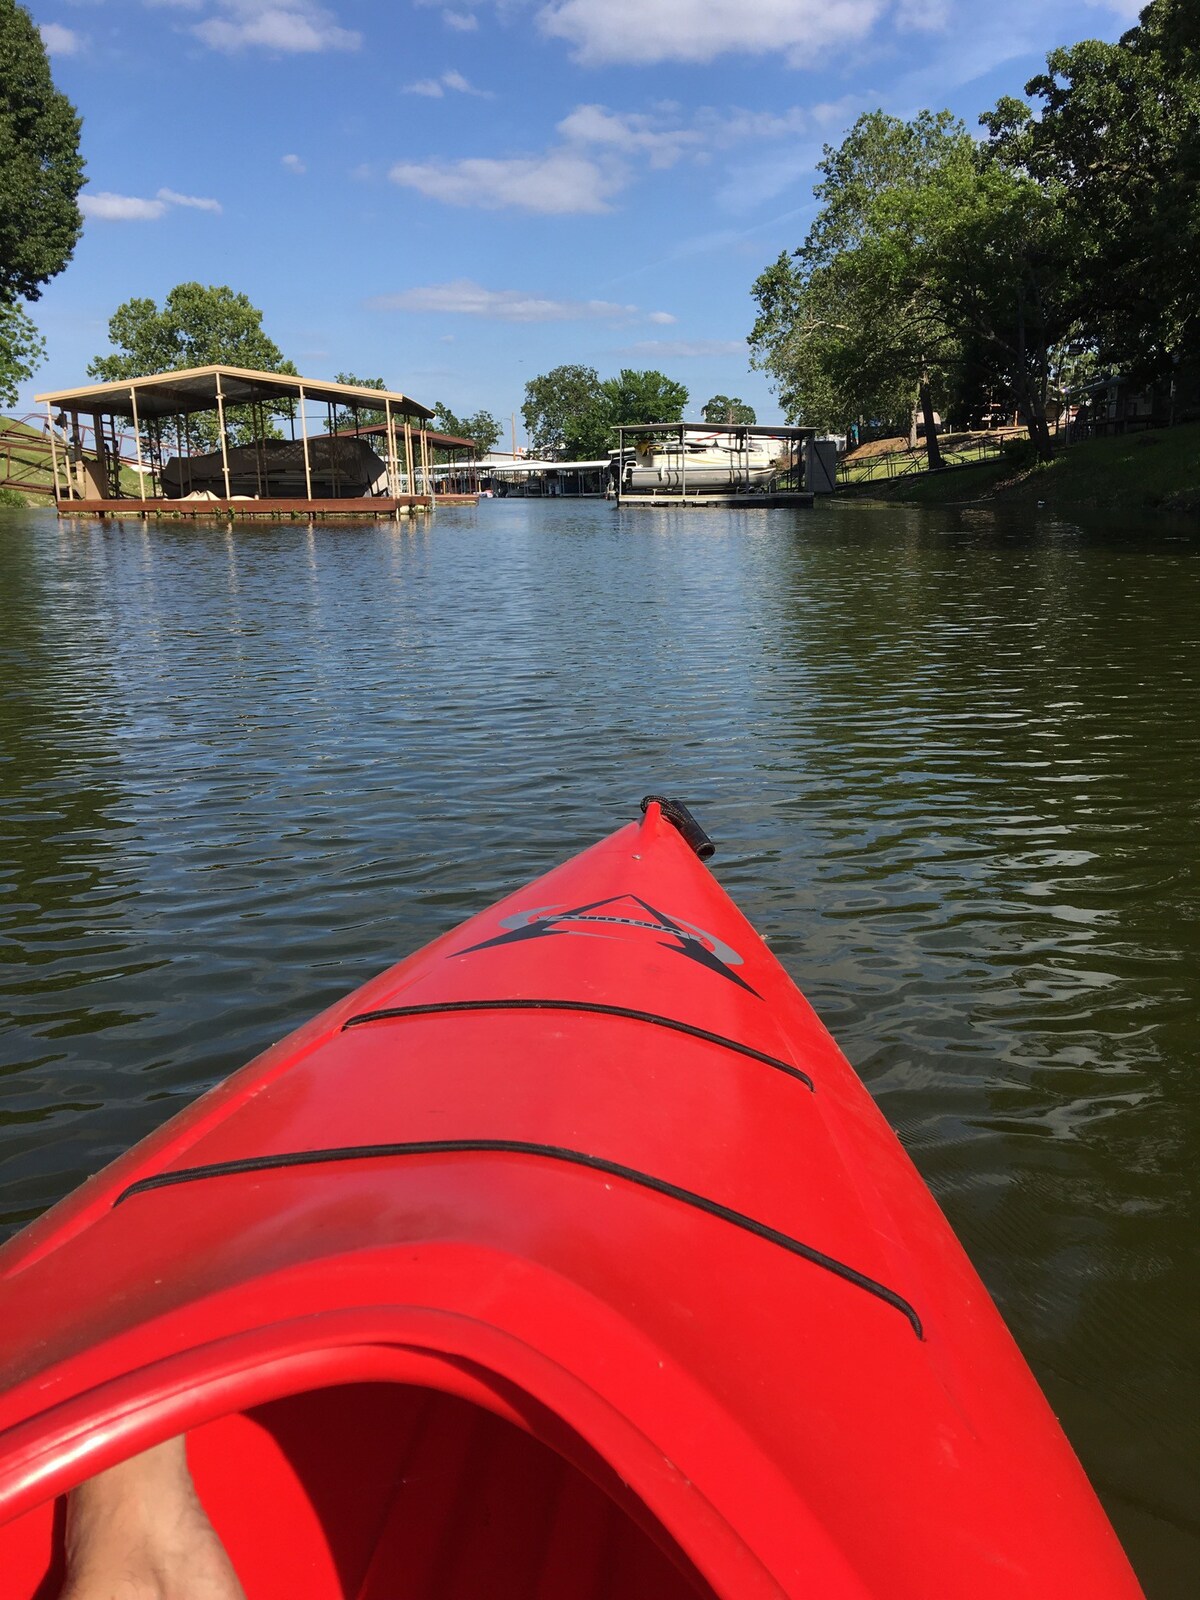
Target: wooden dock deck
x=359, y=508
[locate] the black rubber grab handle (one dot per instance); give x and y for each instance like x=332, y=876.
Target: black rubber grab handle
x=678, y=815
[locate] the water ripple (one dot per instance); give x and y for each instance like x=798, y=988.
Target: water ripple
x=952, y=761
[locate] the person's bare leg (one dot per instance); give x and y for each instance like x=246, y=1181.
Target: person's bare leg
x=139, y=1532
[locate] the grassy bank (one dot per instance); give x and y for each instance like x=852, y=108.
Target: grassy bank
x=1156, y=471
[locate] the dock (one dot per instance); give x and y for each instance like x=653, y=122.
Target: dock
x=210, y=442
x=718, y=466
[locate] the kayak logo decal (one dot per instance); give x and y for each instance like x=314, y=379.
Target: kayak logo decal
x=609, y=919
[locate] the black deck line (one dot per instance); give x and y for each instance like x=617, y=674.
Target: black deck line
x=583, y=1005
x=552, y=1152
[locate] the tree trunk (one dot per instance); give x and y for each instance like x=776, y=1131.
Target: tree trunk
x=1033, y=415
x=933, y=449
x=912, y=423
x=1033, y=412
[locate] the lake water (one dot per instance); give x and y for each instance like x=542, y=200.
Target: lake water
x=952, y=762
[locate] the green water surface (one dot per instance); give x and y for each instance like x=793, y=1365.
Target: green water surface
x=952, y=762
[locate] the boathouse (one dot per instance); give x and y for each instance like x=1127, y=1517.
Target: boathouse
x=718, y=464
x=222, y=440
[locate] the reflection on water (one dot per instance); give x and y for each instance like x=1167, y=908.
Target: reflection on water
x=952, y=763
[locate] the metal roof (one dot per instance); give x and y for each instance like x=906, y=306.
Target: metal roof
x=171, y=394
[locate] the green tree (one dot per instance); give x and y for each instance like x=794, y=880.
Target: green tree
x=1116, y=140
x=572, y=415
x=561, y=413
x=481, y=426
x=41, y=170
x=926, y=246
x=641, y=396
x=41, y=173
x=198, y=326
x=21, y=349
x=859, y=329
x=723, y=408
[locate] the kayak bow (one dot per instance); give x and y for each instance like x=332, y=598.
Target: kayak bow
x=569, y=1257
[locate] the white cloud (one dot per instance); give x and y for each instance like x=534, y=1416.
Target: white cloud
x=632, y=32
x=1129, y=9
x=661, y=316
x=925, y=16
x=602, y=151
x=683, y=349
x=456, y=81
x=59, y=41
x=107, y=207
x=293, y=164
x=289, y=27
x=435, y=88
x=461, y=21
x=558, y=183
x=465, y=298
x=173, y=198
x=629, y=133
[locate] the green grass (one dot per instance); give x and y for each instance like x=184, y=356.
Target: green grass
x=1154, y=471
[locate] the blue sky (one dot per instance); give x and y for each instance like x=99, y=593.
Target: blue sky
x=457, y=195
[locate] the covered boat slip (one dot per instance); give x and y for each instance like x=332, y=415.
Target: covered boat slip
x=716, y=464
x=229, y=441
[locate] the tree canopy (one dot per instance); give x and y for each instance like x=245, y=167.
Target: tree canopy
x=560, y=412
x=930, y=255
x=41, y=170
x=198, y=325
x=481, y=426
x=939, y=266
x=570, y=413
x=21, y=349
x=1116, y=140
x=723, y=408
x=41, y=173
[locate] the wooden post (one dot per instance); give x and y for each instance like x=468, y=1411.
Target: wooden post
x=682, y=464
x=393, y=486
x=224, y=445
x=101, y=453
x=53, y=450
x=137, y=441
x=408, y=456
x=426, y=480
x=304, y=444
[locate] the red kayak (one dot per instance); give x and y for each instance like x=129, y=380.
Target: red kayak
x=569, y=1258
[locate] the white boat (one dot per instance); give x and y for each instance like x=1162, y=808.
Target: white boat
x=700, y=462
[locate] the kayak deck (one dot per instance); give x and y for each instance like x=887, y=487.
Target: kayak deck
x=585, y=1186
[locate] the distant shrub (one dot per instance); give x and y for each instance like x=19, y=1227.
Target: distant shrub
x=1018, y=452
